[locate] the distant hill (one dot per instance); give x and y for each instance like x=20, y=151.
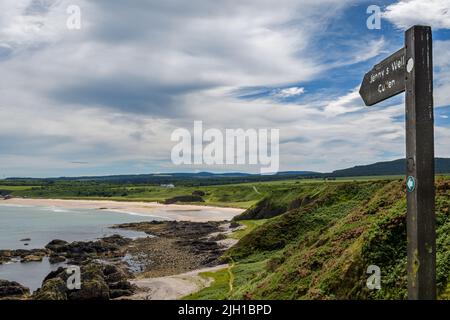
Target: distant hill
x=187, y=179
x=395, y=167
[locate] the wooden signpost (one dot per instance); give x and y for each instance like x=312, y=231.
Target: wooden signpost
x=411, y=70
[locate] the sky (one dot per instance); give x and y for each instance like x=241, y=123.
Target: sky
x=105, y=98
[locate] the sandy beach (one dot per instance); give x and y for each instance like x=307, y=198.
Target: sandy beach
x=175, y=212
x=172, y=287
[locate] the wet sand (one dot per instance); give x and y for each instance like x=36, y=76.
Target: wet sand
x=194, y=213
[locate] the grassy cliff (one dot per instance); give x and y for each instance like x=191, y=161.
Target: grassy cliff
x=320, y=248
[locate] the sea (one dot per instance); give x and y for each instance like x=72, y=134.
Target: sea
x=28, y=227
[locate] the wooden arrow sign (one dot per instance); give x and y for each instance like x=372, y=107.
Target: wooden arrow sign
x=385, y=80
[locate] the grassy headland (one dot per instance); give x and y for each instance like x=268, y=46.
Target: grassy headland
x=321, y=248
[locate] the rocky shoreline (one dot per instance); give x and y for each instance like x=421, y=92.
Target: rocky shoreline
x=107, y=265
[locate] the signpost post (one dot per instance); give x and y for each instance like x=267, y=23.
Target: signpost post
x=411, y=69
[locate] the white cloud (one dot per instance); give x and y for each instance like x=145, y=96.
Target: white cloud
x=31, y=22
x=407, y=13
x=289, y=92
x=441, y=62
x=357, y=53
x=114, y=91
x=347, y=103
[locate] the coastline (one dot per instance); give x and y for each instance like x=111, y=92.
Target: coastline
x=164, y=265
x=174, y=212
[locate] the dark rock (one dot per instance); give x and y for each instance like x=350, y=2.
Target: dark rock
x=79, y=251
x=92, y=289
x=12, y=290
x=116, y=293
x=114, y=273
x=58, y=273
x=54, y=258
x=114, y=277
x=174, y=229
x=117, y=240
x=25, y=239
x=109, y=269
x=6, y=253
x=122, y=285
x=31, y=258
x=57, y=245
x=5, y=256
x=21, y=253
x=234, y=225
x=52, y=289
x=98, y=282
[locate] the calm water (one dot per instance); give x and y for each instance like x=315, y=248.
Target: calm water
x=28, y=274
x=43, y=224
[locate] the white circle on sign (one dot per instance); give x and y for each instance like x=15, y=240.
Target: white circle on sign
x=410, y=65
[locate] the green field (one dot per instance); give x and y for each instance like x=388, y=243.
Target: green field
x=16, y=188
x=240, y=195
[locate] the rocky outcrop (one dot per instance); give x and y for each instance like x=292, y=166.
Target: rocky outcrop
x=57, y=245
x=178, y=246
x=60, y=250
x=32, y=258
x=52, y=289
x=22, y=255
x=98, y=282
x=12, y=290
x=174, y=229
x=80, y=251
x=56, y=258
x=5, y=256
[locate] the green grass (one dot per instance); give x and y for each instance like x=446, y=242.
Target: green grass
x=218, y=290
x=321, y=250
x=250, y=225
x=15, y=188
x=242, y=195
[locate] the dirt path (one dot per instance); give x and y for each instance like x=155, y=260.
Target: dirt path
x=172, y=287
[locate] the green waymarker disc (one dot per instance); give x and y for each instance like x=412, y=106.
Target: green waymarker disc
x=410, y=184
